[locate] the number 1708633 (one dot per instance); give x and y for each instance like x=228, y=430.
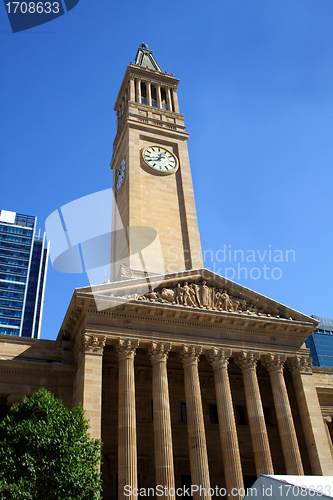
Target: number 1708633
x=32, y=7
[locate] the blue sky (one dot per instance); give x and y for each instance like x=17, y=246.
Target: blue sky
x=256, y=89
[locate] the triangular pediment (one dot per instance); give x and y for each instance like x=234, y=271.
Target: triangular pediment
x=196, y=290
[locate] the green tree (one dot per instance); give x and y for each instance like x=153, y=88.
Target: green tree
x=47, y=453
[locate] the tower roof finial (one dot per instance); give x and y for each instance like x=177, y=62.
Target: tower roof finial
x=144, y=58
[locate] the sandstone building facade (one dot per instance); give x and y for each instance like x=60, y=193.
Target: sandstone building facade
x=187, y=377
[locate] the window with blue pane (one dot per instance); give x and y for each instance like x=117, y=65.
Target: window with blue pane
x=12, y=295
x=16, y=230
x=163, y=99
x=14, y=252
x=20, y=239
x=143, y=93
x=10, y=321
x=183, y=412
x=9, y=331
x=10, y=313
x=5, y=261
x=9, y=277
x=19, y=287
x=153, y=96
x=15, y=304
x=13, y=270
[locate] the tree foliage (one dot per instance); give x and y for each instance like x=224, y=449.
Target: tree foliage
x=47, y=453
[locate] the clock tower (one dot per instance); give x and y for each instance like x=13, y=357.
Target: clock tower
x=154, y=220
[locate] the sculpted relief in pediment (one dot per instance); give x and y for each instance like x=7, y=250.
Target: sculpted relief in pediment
x=203, y=296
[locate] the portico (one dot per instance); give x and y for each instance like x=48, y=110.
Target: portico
x=168, y=367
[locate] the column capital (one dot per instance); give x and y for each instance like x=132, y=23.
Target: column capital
x=189, y=354
x=273, y=362
x=93, y=344
x=126, y=348
x=247, y=360
x=218, y=358
x=158, y=351
x=132, y=77
x=300, y=365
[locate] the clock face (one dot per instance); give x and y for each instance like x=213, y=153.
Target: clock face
x=160, y=159
x=120, y=174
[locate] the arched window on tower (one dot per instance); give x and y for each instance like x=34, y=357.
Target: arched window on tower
x=143, y=93
x=164, y=99
x=153, y=96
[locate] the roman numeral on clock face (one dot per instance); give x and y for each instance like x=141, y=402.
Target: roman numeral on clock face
x=160, y=159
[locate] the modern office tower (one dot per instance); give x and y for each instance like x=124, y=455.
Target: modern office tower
x=23, y=265
x=320, y=343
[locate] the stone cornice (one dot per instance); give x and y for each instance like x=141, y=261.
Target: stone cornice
x=36, y=369
x=11, y=339
x=162, y=77
x=319, y=369
x=159, y=111
x=205, y=319
x=73, y=317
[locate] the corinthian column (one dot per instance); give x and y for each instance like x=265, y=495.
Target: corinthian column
x=175, y=100
x=132, y=89
x=195, y=421
x=289, y=443
x=138, y=90
x=169, y=102
x=311, y=416
x=158, y=95
x=164, y=472
x=127, y=455
x=247, y=361
x=219, y=359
